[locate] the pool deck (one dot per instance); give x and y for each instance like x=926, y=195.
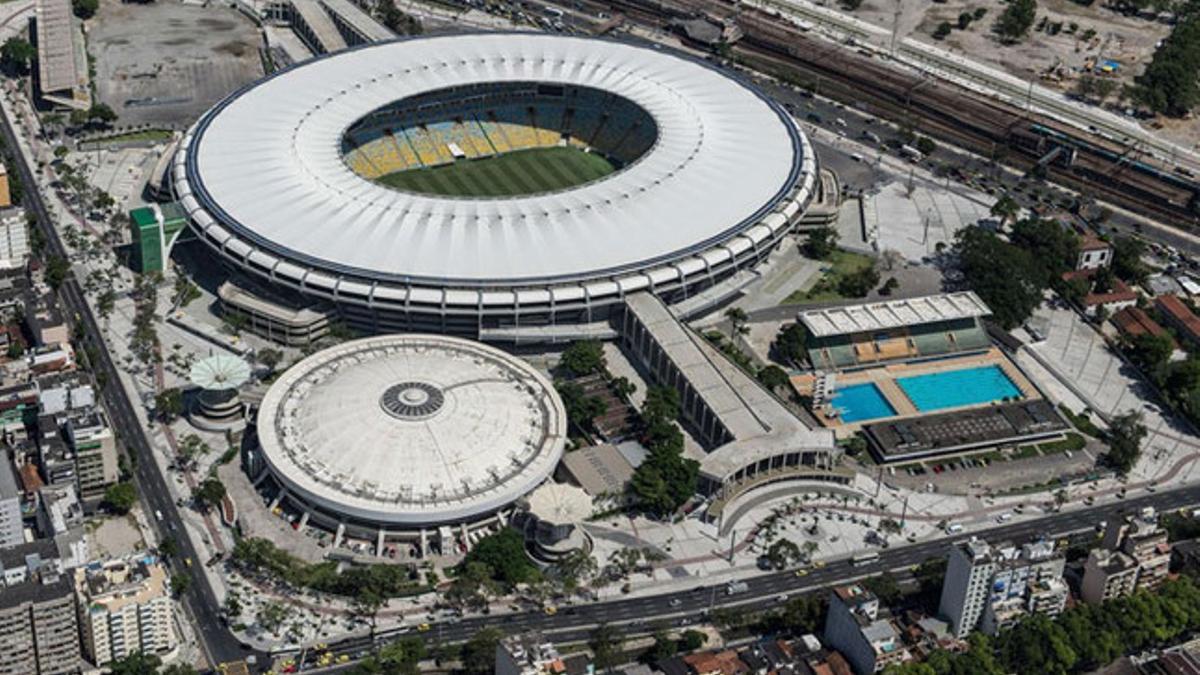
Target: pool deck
x=884, y=378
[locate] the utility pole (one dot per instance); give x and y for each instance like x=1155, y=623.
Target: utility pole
x=895, y=27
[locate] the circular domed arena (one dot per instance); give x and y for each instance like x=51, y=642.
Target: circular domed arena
x=455, y=183
x=409, y=433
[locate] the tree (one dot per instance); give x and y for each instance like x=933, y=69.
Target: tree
x=1054, y=247
x=782, y=553
x=168, y=404
x=105, y=303
x=885, y=587
x=168, y=547
x=1008, y=278
x=120, y=497
x=209, y=493
x=737, y=321
x=691, y=640
x=666, y=479
x=926, y=145
x=581, y=408
x=859, y=283
x=1125, y=434
x=585, y=357
x=942, y=31
x=16, y=54
x=56, y=271
x=1127, y=259
x=399, y=657
x=85, y=9
x=964, y=20
x=1016, y=20
x=504, y=554
x=271, y=615
x=180, y=583
x=790, y=344
x=100, y=113
x=1169, y=84
x=1150, y=352
x=663, y=648
x=179, y=669
x=821, y=242
x=136, y=663
x=270, y=358
x=605, y=643
x=232, y=606
x=774, y=378
x=479, y=653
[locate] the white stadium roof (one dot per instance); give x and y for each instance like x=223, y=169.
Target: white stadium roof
x=411, y=430
x=264, y=170
x=893, y=314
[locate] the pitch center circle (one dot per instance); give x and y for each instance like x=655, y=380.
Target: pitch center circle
x=412, y=400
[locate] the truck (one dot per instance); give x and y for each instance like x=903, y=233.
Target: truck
x=735, y=587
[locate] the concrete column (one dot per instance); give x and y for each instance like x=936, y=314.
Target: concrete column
x=462, y=528
x=424, y=543
x=278, y=498
x=303, y=521
x=261, y=477
x=337, y=536
x=379, y=537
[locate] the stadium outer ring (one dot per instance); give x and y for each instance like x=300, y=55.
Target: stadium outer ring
x=394, y=300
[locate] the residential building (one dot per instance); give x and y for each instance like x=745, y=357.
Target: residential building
x=1141, y=538
x=1107, y=574
x=1132, y=322
x=95, y=447
x=1175, y=312
x=853, y=626
x=45, y=321
x=969, y=570
x=125, y=607
x=1026, y=579
x=12, y=526
x=39, y=633
x=5, y=192
x=1094, y=253
x=527, y=654
x=14, y=238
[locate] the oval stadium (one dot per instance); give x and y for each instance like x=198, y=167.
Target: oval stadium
x=409, y=432
x=463, y=182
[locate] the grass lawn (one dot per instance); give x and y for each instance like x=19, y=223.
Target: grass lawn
x=152, y=135
x=839, y=265
x=515, y=173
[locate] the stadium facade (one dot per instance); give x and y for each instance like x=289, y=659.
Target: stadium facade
x=283, y=180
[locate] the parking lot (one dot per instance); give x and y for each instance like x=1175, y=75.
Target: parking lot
x=165, y=63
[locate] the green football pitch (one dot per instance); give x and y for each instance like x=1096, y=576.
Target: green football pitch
x=521, y=172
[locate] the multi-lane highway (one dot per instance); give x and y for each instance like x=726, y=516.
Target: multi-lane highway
x=218, y=644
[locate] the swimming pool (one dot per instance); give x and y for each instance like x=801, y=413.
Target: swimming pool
x=957, y=388
x=859, y=402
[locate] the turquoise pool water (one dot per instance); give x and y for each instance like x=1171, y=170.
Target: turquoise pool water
x=860, y=402
x=957, y=388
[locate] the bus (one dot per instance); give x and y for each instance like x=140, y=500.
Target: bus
x=867, y=558
x=553, y=12
x=911, y=154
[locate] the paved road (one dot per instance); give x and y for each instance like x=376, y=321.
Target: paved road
x=641, y=615
x=218, y=644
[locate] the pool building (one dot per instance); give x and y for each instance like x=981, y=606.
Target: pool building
x=920, y=377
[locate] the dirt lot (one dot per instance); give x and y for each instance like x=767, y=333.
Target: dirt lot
x=165, y=63
x=1055, y=60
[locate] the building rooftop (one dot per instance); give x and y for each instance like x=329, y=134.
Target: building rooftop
x=59, y=68
x=412, y=429
x=278, y=195
x=1182, y=315
x=758, y=425
x=599, y=469
x=943, y=432
x=877, y=316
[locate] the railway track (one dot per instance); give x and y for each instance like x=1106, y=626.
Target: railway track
x=939, y=109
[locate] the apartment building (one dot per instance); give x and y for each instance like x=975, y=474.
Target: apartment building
x=12, y=528
x=95, y=448
x=969, y=570
x=1107, y=574
x=39, y=628
x=853, y=626
x=125, y=607
x=1141, y=538
x=992, y=587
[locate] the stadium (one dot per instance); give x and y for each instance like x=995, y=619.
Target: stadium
x=421, y=437
x=490, y=181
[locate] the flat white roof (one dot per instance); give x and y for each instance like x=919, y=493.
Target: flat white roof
x=266, y=164
x=892, y=314
x=412, y=430
x=58, y=69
